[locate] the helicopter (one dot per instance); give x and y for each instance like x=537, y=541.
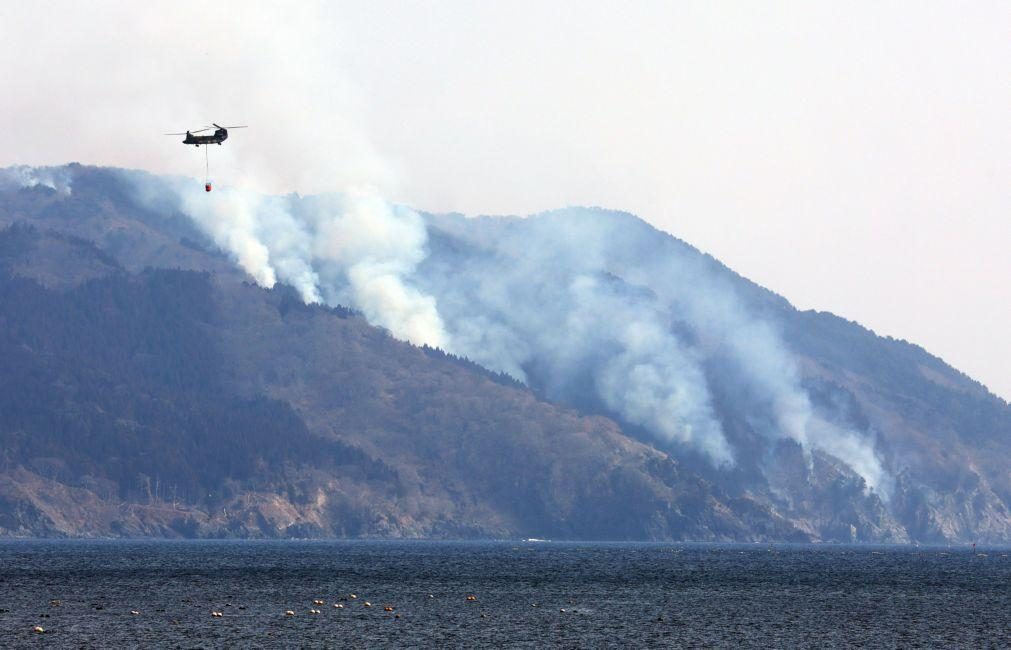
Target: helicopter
x=220, y=135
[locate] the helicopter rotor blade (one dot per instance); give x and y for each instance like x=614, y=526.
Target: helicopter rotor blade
x=192, y=132
x=231, y=127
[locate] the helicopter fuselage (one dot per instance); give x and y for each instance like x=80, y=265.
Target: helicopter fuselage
x=217, y=137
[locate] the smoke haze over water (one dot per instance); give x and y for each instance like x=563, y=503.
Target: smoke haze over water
x=587, y=305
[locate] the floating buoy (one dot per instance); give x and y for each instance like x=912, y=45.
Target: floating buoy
x=388, y=608
x=367, y=604
x=354, y=596
x=38, y=629
x=318, y=602
x=338, y=606
x=562, y=610
x=55, y=602
x=134, y=612
x=217, y=614
x=314, y=611
x=471, y=598
x=397, y=616
x=289, y=613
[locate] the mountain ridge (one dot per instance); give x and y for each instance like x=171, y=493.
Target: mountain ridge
x=352, y=504
x=943, y=435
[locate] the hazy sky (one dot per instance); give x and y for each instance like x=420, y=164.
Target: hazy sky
x=853, y=157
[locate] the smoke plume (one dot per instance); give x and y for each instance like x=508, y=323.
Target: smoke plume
x=55, y=178
x=592, y=307
x=352, y=249
x=650, y=322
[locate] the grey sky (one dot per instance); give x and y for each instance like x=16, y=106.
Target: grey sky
x=854, y=157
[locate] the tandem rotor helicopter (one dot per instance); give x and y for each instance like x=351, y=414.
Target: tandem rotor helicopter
x=220, y=135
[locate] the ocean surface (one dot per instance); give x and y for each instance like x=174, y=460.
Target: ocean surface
x=525, y=594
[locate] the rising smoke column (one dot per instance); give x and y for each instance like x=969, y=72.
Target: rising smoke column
x=55, y=178
x=353, y=249
x=580, y=300
x=366, y=250
x=650, y=377
x=538, y=305
x=643, y=370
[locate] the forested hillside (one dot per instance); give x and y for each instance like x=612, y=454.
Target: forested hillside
x=599, y=380
x=217, y=409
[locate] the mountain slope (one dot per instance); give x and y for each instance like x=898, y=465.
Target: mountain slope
x=662, y=395
x=174, y=403
x=948, y=437
x=941, y=438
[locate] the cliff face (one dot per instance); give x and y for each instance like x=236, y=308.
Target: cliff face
x=947, y=438
x=148, y=388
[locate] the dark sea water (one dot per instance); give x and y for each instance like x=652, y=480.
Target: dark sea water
x=615, y=595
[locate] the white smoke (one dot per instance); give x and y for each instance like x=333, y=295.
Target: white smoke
x=55, y=178
x=615, y=321
x=582, y=303
x=354, y=249
x=539, y=303
x=652, y=382
x=233, y=220
x=367, y=249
